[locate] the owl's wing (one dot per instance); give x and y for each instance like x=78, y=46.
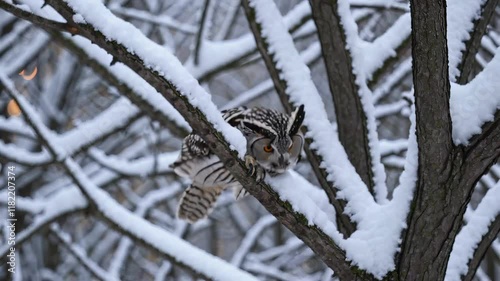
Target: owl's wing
x=196, y=202
x=209, y=177
x=194, y=155
x=199, y=164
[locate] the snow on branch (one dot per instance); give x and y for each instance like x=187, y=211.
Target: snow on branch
x=162, y=20
x=80, y=255
x=176, y=249
x=301, y=90
x=376, y=53
x=475, y=103
x=160, y=60
x=361, y=205
x=217, y=55
x=386, y=4
x=311, y=54
x=21, y=59
x=15, y=126
x=461, y=15
x=116, y=117
x=111, y=120
x=472, y=233
x=127, y=81
x=251, y=236
x=344, y=59
x=142, y=167
x=146, y=203
x=56, y=206
x=159, y=68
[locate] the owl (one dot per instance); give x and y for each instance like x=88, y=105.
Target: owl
x=274, y=144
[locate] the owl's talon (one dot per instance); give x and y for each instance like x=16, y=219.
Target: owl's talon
x=254, y=168
x=251, y=169
x=251, y=165
x=261, y=174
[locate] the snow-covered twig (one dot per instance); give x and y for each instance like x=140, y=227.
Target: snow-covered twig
x=468, y=247
x=142, y=167
x=148, y=201
x=80, y=255
x=250, y=238
x=162, y=20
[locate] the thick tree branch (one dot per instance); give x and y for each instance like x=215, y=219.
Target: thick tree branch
x=280, y=85
x=351, y=118
x=437, y=209
x=331, y=254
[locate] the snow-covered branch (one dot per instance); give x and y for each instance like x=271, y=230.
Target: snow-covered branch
x=483, y=221
x=135, y=227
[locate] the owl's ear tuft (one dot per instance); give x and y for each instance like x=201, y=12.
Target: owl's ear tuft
x=296, y=120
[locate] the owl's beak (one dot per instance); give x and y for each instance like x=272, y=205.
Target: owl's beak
x=282, y=161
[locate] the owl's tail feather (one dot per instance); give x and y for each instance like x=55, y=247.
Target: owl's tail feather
x=196, y=202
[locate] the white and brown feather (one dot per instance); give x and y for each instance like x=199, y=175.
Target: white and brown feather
x=208, y=174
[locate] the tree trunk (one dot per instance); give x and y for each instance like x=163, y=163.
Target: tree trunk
x=437, y=208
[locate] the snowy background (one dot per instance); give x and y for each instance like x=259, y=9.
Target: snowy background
x=87, y=140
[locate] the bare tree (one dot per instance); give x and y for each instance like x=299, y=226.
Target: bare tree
x=402, y=125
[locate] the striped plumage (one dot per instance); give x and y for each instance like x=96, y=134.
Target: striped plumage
x=274, y=143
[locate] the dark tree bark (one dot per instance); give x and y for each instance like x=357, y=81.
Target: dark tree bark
x=447, y=174
x=434, y=213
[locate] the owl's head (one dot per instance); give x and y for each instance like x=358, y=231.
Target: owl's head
x=273, y=138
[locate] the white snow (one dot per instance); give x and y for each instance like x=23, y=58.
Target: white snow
x=252, y=235
x=72, y=141
x=472, y=233
x=160, y=60
x=77, y=18
x=460, y=16
x=62, y=203
x=475, y=103
x=379, y=226
x=28, y=110
x=169, y=244
x=216, y=54
x=164, y=241
x=373, y=55
x=132, y=80
x=143, y=166
x=149, y=200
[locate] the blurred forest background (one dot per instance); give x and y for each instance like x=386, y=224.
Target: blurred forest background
x=129, y=156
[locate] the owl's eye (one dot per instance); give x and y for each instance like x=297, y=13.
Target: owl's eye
x=268, y=148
